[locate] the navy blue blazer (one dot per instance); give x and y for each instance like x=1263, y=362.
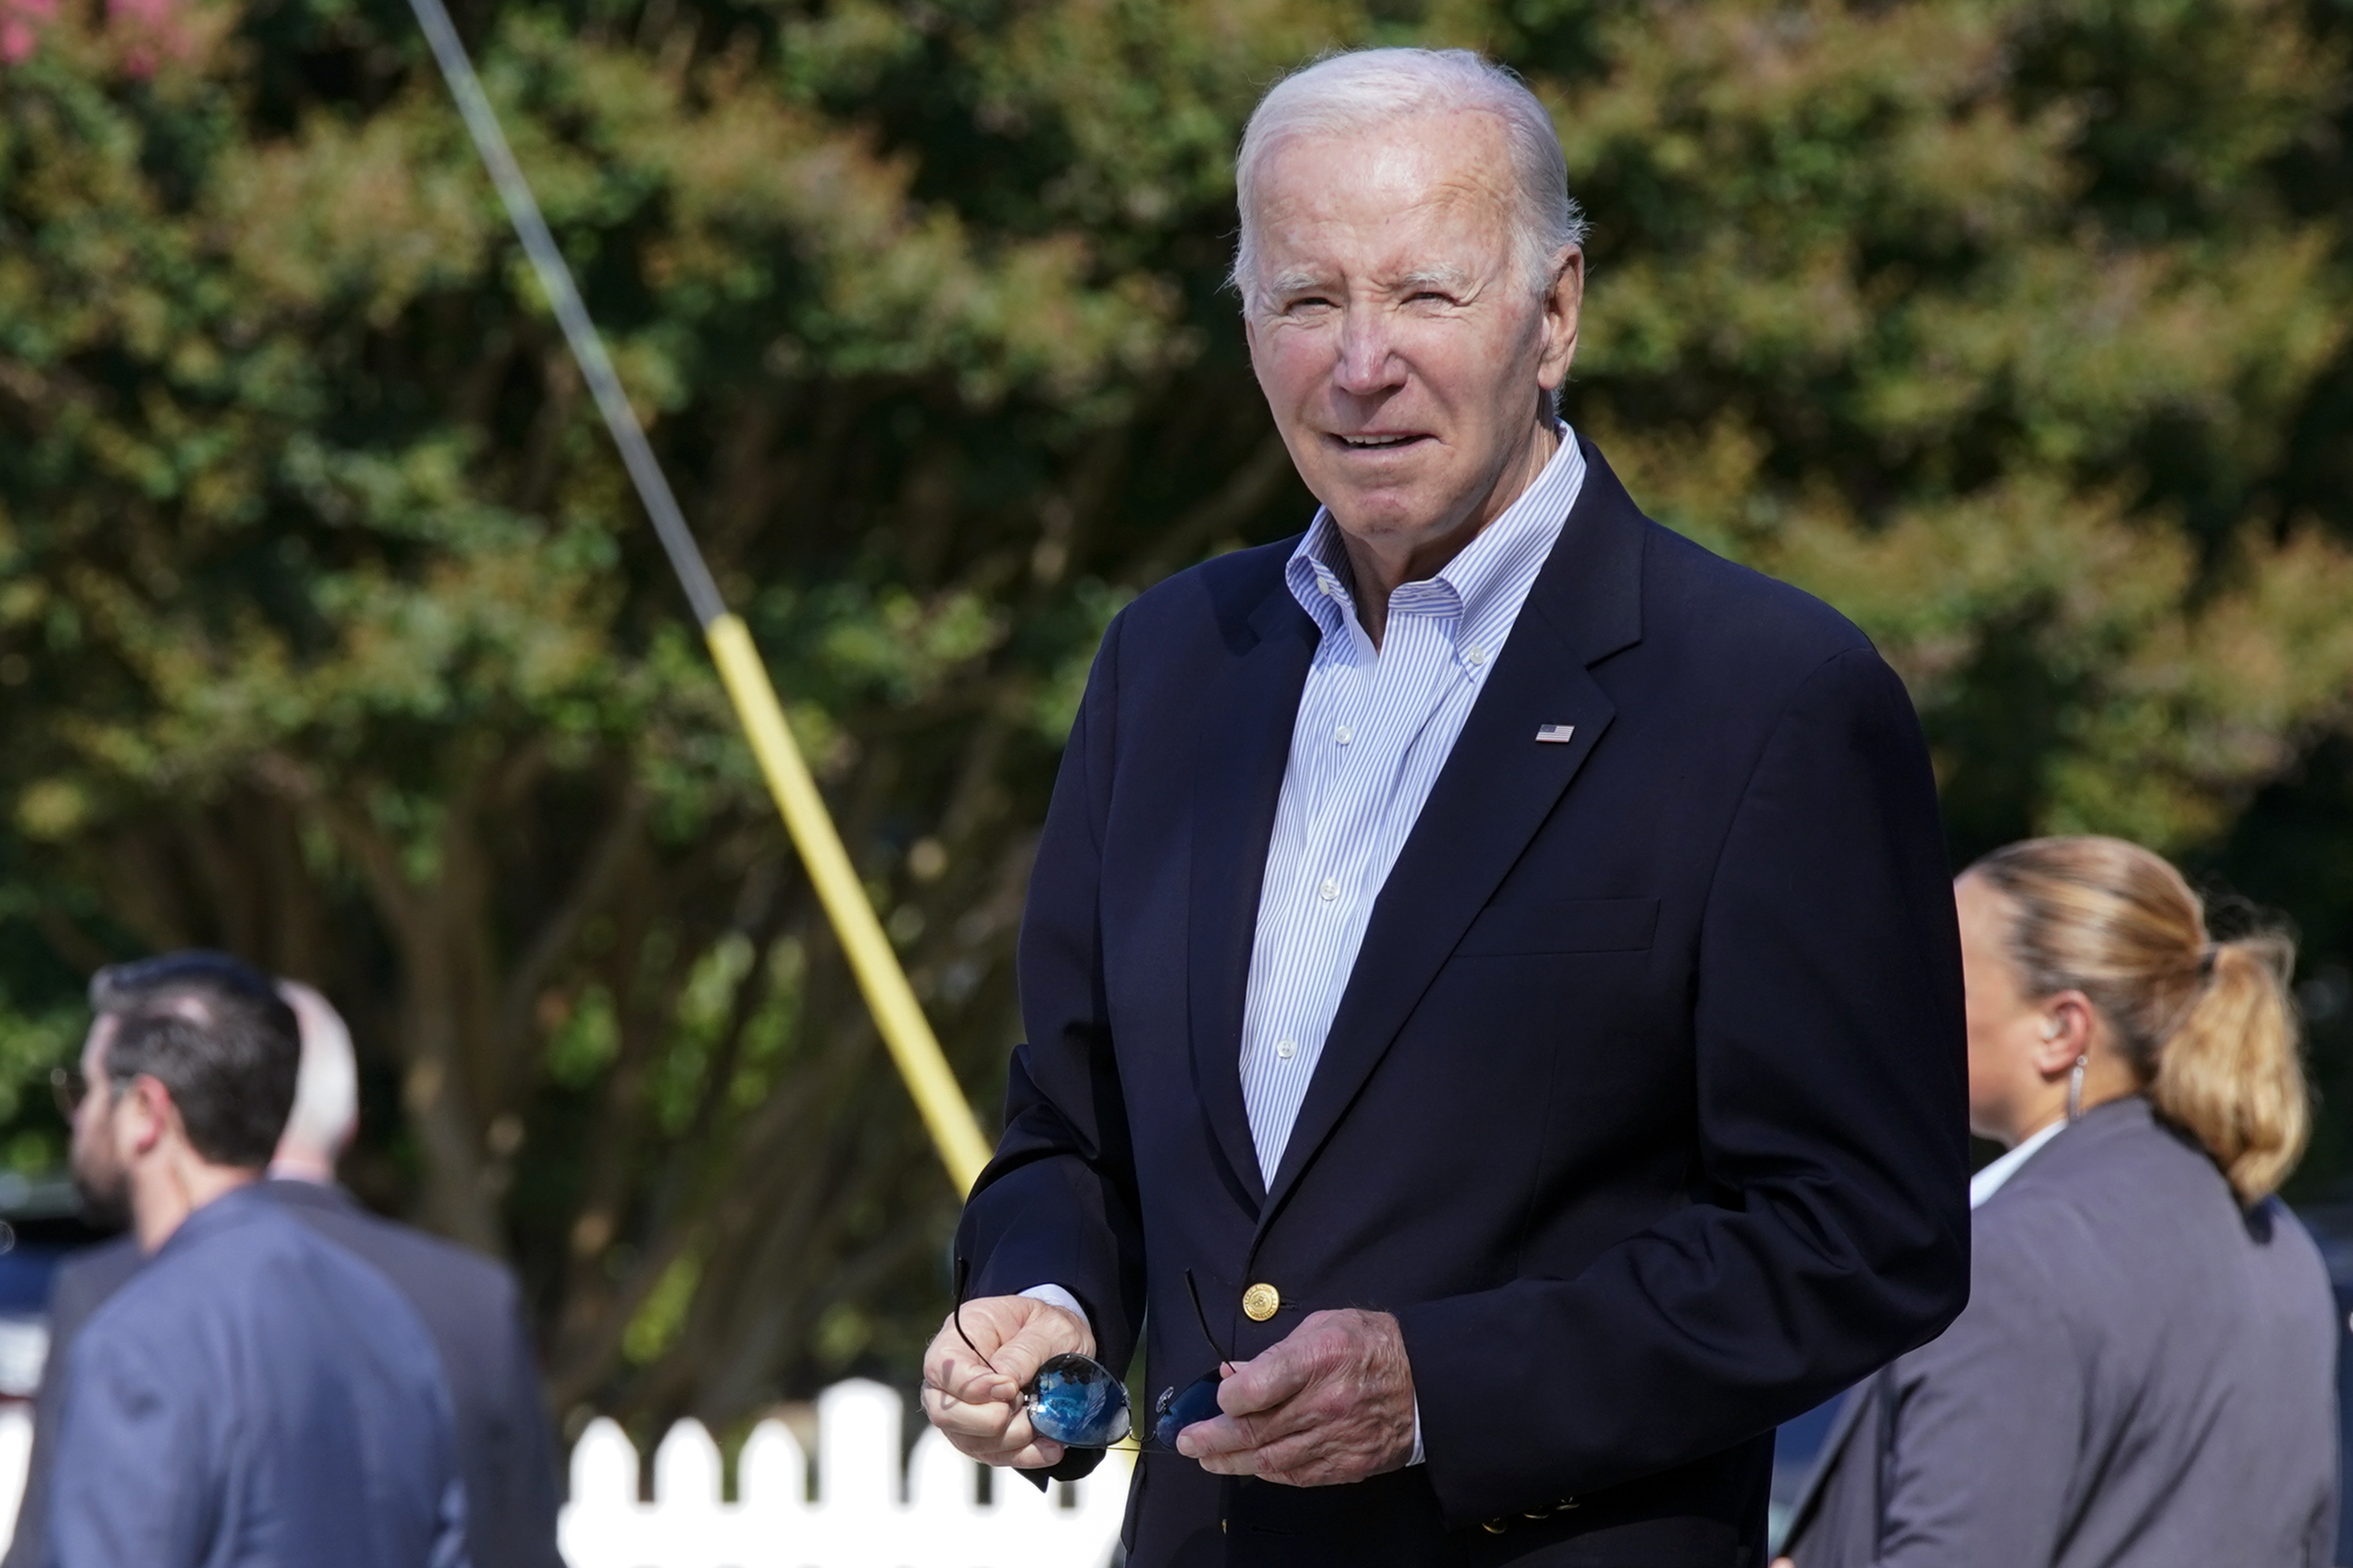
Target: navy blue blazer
x=1643, y=1109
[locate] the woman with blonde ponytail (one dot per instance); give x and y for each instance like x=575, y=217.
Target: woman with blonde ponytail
x=2229, y=1073
x=2146, y=1371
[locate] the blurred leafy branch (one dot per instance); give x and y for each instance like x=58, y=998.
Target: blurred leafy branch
x=329, y=631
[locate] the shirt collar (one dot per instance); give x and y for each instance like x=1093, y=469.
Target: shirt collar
x=1989, y=1181
x=1320, y=577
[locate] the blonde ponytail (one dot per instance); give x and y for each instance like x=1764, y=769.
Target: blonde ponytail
x=2230, y=1076
x=2207, y=1027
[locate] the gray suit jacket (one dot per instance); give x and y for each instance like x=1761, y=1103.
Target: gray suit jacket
x=2145, y=1375
x=254, y=1397
x=471, y=1307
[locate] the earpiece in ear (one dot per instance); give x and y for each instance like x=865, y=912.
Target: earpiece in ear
x=2053, y=1029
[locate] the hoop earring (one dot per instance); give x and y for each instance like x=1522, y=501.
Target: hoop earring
x=2075, y=1089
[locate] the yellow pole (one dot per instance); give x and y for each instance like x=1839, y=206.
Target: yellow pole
x=897, y=1014
x=954, y=1129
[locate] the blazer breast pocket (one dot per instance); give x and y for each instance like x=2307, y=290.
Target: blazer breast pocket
x=1561, y=925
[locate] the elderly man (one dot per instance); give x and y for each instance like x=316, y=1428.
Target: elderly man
x=1494, y=955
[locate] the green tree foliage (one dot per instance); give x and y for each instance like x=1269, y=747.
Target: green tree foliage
x=328, y=630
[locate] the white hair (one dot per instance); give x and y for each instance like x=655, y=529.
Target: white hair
x=1361, y=89
x=326, y=1088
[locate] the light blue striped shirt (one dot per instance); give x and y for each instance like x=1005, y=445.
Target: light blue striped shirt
x=1375, y=727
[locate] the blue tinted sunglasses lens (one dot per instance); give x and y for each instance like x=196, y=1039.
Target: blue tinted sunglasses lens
x=1180, y=1408
x=1078, y=1403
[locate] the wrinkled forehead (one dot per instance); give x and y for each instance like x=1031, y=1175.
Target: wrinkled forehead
x=1431, y=191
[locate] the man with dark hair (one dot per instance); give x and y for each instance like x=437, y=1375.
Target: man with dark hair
x=226, y=1067
x=471, y=1305
x=86, y=1281
x=255, y=1395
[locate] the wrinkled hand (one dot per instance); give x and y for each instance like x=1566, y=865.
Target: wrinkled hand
x=980, y=1410
x=1332, y=1403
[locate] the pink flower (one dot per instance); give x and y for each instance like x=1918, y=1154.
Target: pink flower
x=149, y=29
x=20, y=26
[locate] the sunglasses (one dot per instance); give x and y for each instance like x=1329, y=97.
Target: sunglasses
x=1078, y=1402
x=1177, y=1409
x=1074, y=1400
x=71, y=1089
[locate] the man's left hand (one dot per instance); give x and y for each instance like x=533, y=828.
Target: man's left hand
x=1332, y=1403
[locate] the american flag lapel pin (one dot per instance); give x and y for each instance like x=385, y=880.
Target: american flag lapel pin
x=1557, y=734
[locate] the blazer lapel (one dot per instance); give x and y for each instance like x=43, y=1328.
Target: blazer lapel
x=1246, y=725
x=1497, y=787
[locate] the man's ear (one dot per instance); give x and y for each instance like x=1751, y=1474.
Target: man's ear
x=149, y=1114
x=1563, y=306
x=2068, y=1023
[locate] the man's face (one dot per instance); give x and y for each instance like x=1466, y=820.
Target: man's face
x=1398, y=340
x=99, y=1173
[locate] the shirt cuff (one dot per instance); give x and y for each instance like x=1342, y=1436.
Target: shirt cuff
x=1417, y=1434
x=1055, y=1295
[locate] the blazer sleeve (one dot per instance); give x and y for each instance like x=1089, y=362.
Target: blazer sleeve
x=29, y=1547
x=131, y=1482
x=82, y=1286
x=1988, y=1421
x=524, y=1525
x=1829, y=1226
x=1058, y=1204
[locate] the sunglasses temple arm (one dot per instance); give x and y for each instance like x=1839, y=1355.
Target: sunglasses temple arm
x=963, y=1274
x=1202, y=1317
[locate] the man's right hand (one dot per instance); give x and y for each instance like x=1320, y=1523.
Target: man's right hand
x=980, y=1409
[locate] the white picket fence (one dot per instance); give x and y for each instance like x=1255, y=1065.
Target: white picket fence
x=866, y=1512
x=16, y=1454
x=862, y=1515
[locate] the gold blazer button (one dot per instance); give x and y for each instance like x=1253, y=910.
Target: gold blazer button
x=1260, y=1301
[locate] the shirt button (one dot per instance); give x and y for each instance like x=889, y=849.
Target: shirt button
x=1331, y=590
x=1344, y=734
x=1475, y=656
x=1286, y=1049
x=1330, y=890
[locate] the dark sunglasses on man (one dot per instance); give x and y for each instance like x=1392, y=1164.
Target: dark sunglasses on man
x=71, y=1089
